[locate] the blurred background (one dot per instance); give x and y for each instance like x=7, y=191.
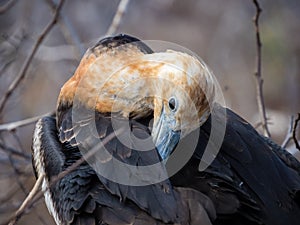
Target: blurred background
x=220, y=32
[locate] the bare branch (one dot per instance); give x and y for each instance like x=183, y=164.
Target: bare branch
x=13, y=125
x=257, y=74
x=27, y=200
x=294, y=132
x=7, y=6
x=17, y=177
x=117, y=18
x=14, y=151
x=14, y=188
x=27, y=63
x=68, y=30
x=9, y=47
x=289, y=135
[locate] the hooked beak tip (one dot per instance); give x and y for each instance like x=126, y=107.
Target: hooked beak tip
x=167, y=143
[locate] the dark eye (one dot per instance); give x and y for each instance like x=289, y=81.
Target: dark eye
x=173, y=104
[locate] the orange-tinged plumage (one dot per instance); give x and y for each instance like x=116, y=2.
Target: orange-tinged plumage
x=129, y=82
x=94, y=68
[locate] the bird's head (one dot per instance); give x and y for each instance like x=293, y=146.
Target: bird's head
x=182, y=89
x=173, y=86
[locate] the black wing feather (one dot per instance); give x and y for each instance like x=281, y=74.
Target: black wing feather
x=247, y=180
x=81, y=197
x=153, y=198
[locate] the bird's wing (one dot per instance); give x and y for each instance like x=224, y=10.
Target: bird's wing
x=158, y=199
x=81, y=198
x=247, y=175
x=78, y=197
x=265, y=164
x=283, y=154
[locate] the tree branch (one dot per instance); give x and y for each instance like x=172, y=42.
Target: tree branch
x=27, y=200
x=13, y=151
x=117, y=18
x=70, y=34
x=294, y=132
x=26, y=65
x=289, y=135
x=257, y=74
x=20, y=123
x=7, y=6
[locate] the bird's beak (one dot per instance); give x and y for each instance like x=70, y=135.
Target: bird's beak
x=165, y=138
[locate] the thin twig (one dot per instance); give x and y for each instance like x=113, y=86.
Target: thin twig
x=13, y=125
x=27, y=200
x=14, y=151
x=67, y=29
x=9, y=47
x=7, y=6
x=14, y=188
x=17, y=175
x=294, y=132
x=117, y=18
x=10, y=174
x=18, y=141
x=27, y=63
x=289, y=135
x=257, y=74
x=259, y=124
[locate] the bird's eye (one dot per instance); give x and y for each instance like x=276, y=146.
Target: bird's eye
x=172, y=104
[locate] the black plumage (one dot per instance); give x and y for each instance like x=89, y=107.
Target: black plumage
x=84, y=196
x=248, y=182
x=251, y=180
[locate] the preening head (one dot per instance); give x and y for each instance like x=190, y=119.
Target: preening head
x=182, y=89
x=173, y=86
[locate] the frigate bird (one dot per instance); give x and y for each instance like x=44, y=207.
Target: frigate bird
x=149, y=100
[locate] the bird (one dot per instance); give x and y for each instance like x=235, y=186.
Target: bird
x=124, y=113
